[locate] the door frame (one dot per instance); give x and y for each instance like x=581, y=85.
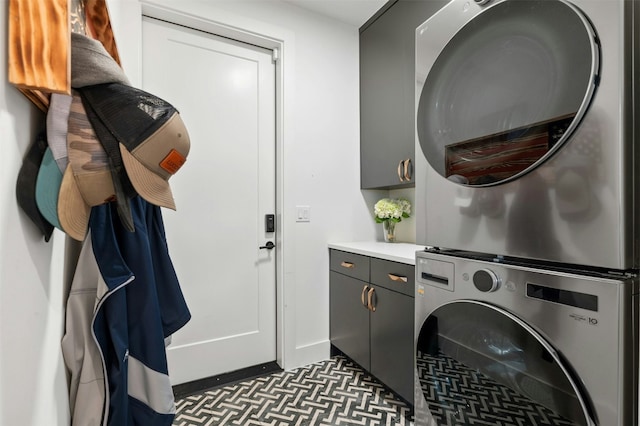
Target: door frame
x=285, y=321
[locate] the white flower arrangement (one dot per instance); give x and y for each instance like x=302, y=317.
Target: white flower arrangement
x=389, y=209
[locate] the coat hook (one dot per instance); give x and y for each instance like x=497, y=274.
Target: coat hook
x=78, y=16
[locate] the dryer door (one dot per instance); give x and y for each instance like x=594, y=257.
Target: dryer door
x=502, y=86
x=479, y=364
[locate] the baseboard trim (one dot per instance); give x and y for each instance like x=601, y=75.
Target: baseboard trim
x=309, y=354
x=198, y=386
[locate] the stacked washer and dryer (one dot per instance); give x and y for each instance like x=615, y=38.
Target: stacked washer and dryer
x=526, y=192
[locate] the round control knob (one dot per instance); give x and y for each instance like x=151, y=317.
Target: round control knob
x=486, y=280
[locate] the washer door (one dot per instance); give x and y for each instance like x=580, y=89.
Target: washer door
x=506, y=91
x=478, y=364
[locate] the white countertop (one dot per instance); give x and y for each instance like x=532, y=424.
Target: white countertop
x=397, y=252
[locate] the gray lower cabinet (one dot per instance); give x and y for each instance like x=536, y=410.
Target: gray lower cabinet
x=371, y=316
x=387, y=93
x=349, y=321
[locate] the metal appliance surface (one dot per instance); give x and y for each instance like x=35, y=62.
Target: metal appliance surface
x=509, y=344
x=525, y=130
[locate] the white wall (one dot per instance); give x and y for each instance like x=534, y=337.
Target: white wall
x=406, y=229
x=32, y=379
x=320, y=169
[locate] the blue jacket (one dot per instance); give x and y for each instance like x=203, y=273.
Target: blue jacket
x=140, y=305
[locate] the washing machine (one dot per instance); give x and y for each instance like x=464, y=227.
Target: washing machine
x=503, y=343
x=525, y=130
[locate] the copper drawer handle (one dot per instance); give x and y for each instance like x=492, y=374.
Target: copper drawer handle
x=394, y=277
x=347, y=264
x=370, y=305
x=407, y=170
x=364, y=290
x=400, y=167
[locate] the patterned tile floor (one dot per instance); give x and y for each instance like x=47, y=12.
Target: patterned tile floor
x=335, y=392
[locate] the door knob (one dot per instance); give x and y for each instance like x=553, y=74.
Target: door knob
x=268, y=246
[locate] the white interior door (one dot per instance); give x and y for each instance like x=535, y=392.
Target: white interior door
x=225, y=92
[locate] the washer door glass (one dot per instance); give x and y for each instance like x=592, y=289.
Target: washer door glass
x=506, y=91
x=478, y=364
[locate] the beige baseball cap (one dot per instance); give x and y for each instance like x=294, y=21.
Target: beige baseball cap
x=87, y=180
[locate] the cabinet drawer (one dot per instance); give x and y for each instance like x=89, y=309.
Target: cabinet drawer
x=353, y=265
x=393, y=275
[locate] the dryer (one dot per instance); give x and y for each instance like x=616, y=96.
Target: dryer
x=525, y=130
x=508, y=344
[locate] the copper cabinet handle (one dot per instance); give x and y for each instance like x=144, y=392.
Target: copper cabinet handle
x=370, y=305
x=400, y=167
x=347, y=264
x=364, y=290
x=407, y=169
x=394, y=277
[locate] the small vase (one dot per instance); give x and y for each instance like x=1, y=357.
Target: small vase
x=389, y=231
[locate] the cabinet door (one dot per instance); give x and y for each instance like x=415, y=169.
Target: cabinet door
x=349, y=318
x=387, y=92
x=392, y=341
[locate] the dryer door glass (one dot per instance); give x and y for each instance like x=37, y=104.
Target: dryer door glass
x=506, y=91
x=478, y=364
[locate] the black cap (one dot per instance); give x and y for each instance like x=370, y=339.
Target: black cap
x=26, y=185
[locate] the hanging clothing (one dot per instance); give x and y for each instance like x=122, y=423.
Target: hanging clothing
x=124, y=303
x=87, y=392
x=125, y=300
x=141, y=305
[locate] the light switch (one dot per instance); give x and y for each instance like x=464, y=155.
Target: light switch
x=303, y=214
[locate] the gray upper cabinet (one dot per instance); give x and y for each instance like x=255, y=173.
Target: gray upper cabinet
x=387, y=92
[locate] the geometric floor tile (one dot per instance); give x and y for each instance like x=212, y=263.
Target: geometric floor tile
x=335, y=392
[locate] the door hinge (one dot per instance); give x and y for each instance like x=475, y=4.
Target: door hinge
x=275, y=55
